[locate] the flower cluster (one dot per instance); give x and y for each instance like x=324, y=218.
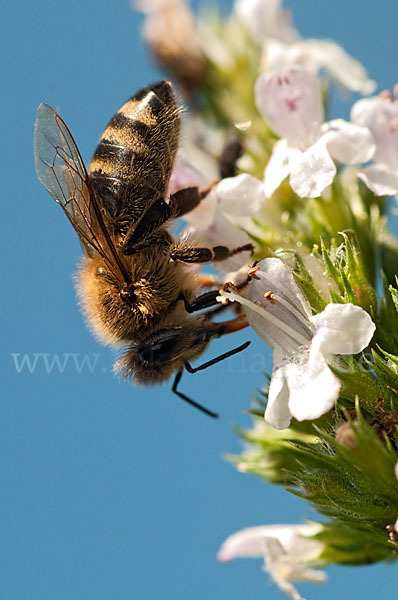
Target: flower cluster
x=310, y=194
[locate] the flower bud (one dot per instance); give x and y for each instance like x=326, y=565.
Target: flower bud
x=345, y=436
x=170, y=29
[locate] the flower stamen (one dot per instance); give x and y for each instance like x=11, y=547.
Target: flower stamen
x=270, y=296
x=271, y=318
x=386, y=94
x=252, y=273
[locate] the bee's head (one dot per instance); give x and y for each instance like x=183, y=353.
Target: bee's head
x=156, y=357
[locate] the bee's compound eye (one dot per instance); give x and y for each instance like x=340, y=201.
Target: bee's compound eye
x=158, y=352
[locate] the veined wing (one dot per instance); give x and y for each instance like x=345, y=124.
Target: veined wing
x=61, y=170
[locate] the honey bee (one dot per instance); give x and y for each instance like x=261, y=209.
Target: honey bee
x=134, y=282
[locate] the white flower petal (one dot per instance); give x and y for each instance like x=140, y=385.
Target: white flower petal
x=279, y=56
x=291, y=104
x=287, y=550
x=293, y=539
x=342, y=329
x=380, y=179
x=265, y=19
x=240, y=196
x=277, y=412
x=345, y=69
x=313, y=387
x=283, y=322
x=347, y=142
x=279, y=278
x=277, y=168
x=311, y=171
x=221, y=231
x=276, y=308
x=380, y=115
x=248, y=542
x=280, y=568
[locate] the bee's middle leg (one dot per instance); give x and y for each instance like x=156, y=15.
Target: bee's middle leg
x=203, y=255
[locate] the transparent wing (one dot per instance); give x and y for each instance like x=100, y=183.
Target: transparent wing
x=61, y=170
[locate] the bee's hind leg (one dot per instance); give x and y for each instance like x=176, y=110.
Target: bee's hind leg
x=186, y=199
x=203, y=255
x=183, y=201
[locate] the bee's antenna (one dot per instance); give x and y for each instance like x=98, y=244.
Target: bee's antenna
x=192, y=402
x=200, y=368
x=216, y=360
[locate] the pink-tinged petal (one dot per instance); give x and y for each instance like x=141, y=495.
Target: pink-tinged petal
x=277, y=413
x=277, y=168
x=291, y=104
x=342, y=329
x=314, y=55
x=348, y=143
x=311, y=171
x=313, y=387
x=380, y=179
x=184, y=175
x=380, y=115
x=240, y=196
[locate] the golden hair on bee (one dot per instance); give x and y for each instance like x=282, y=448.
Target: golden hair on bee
x=134, y=283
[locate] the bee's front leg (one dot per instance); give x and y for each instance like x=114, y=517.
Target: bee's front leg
x=205, y=300
x=209, y=299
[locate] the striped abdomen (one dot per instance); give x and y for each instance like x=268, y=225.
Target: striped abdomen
x=131, y=166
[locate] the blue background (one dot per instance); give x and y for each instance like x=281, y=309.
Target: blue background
x=109, y=491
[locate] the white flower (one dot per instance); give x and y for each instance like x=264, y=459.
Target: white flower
x=302, y=384
x=271, y=27
x=380, y=115
x=317, y=55
x=287, y=551
x=217, y=219
x=265, y=19
x=291, y=104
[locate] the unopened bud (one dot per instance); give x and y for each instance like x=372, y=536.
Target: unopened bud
x=170, y=29
x=345, y=436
